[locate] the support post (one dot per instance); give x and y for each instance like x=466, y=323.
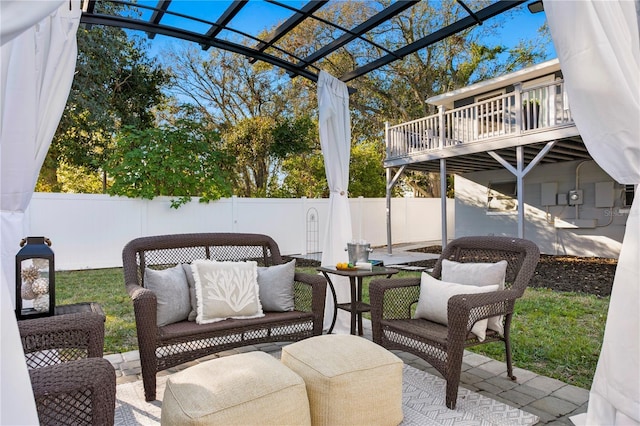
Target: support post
x=443, y=200
x=520, y=189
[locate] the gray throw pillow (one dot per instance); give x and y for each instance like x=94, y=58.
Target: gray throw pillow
x=276, y=286
x=192, y=291
x=172, y=292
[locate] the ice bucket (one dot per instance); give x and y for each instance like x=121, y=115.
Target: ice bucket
x=358, y=252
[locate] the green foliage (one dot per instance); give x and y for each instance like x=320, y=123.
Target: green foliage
x=116, y=84
x=366, y=176
x=259, y=145
x=304, y=176
x=180, y=160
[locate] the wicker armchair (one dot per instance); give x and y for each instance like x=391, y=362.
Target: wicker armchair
x=443, y=346
x=71, y=382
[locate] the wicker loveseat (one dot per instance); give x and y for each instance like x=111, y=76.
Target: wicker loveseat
x=162, y=347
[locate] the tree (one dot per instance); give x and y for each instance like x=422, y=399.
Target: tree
x=234, y=93
x=180, y=160
x=398, y=92
x=116, y=84
x=258, y=145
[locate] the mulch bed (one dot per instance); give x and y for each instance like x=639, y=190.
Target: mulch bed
x=591, y=275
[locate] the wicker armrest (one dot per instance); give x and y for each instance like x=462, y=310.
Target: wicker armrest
x=393, y=298
x=317, y=283
x=313, y=300
x=78, y=392
x=61, y=338
x=495, y=303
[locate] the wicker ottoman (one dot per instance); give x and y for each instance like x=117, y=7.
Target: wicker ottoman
x=253, y=388
x=350, y=380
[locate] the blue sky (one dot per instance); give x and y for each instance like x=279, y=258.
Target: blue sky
x=257, y=16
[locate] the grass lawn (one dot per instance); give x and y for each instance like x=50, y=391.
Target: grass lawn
x=555, y=334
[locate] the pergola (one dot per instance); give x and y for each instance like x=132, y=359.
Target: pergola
x=600, y=37
x=220, y=28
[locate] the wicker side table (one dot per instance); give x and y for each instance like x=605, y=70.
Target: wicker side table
x=75, y=332
x=72, y=383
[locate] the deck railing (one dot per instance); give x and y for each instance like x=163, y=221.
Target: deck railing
x=523, y=111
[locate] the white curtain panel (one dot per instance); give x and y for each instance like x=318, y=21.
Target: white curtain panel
x=335, y=140
x=597, y=43
x=39, y=53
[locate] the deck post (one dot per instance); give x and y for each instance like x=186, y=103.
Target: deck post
x=520, y=189
x=443, y=200
x=443, y=130
x=517, y=89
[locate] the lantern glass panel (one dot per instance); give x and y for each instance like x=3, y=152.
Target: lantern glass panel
x=35, y=287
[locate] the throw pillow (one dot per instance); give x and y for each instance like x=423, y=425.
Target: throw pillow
x=435, y=294
x=276, y=286
x=192, y=291
x=479, y=274
x=172, y=293
x=226, y=290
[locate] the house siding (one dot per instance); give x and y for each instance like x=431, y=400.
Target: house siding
x=604, y=240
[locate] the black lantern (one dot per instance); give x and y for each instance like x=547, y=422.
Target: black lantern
x=35, y=279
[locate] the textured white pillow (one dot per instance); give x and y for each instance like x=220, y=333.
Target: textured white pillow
x=478, y=274
x=172, y=293
x=434, y=297
x=226, y=290
x=276, y=286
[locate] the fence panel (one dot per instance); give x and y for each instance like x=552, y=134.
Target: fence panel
x=89, y=231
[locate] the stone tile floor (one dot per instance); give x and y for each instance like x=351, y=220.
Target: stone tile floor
x=551, y=400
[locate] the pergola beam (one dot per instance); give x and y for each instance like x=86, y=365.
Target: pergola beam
x=461, y=25
x=225, y=18
x=288, y=25
x=366, y=26
x=123, y=22
x=158, y=13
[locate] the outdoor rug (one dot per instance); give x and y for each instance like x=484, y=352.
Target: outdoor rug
x=422, y=399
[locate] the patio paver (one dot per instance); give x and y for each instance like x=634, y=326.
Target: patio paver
x=551, y=400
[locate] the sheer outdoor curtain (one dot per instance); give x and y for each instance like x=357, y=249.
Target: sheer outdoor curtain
x=597, y=43
x=335, y=140
x=38, y=60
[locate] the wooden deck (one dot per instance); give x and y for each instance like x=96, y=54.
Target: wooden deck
x=471, y=136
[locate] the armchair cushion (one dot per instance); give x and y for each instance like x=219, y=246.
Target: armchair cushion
x=172, y=293
x=434, y=298
x=226, y=290
x=192, y=291
x=478, y=274
x=276, y=286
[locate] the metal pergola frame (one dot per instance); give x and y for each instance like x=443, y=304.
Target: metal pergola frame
x=305, y=67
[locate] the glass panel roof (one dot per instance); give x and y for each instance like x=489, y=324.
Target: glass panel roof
x=271, y=30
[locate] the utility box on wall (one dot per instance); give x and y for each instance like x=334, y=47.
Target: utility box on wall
x=548, y=193
x=605, y=194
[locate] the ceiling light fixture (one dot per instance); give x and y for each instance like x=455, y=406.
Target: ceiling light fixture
x=536, y=6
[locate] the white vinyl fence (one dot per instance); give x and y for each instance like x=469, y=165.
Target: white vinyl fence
x=89, y=231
